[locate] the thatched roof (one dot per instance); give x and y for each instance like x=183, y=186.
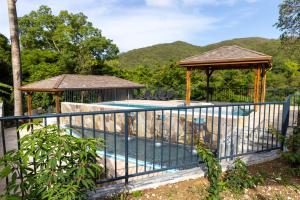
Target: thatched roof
x=79, y=82
x=228, y=57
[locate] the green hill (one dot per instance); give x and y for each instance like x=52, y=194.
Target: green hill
x=164, y=53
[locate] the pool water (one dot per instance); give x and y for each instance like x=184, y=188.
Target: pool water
x=143, y=152
x=133, y=105
x=235, y=111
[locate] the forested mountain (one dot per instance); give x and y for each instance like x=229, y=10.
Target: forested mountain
x=164, y=53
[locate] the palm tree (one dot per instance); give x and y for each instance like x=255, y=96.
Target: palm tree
x=16, y=56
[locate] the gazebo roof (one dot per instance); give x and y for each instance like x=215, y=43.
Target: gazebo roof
x=228, y=57
x=78, y=82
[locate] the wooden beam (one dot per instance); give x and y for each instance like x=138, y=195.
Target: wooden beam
x=29, y=104
x=263, y=85
x=188, y=86
x=57, y=102
x=256, y=86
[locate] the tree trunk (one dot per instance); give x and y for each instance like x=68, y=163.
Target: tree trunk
x=16, y=56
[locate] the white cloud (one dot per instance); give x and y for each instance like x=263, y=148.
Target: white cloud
x=133, y=24
x=128, y=27
x=161, y=3
x=139, y=28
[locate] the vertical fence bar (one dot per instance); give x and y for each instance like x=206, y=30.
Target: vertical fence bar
x=145, y=143
x=264, y=124
x=226, y=122
x=212, y=127
x=192, y=134
x=243, y=133
x=273, y=125
x=154, y=138
x=237, y=128
x=136, y=141
x=285, y=118
x=185, y=130
x=70, y=124
x=253, y=128
x=258, y=134
x=248, y=139
x=170, y=133
x=219, y=133
x=105, y=146
x=115, y=143
x=161, y=139
x=268, y=133
x=19, y=145
x=82, y=127
x=177, y=135
x=3, y=144
x=231, y=138
x=126, y=148
x=278, y=120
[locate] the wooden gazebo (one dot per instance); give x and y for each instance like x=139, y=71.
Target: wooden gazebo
x=229, y=57
x=70, y=82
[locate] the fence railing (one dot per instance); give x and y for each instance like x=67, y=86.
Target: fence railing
x=223, y=94
x=144, y=141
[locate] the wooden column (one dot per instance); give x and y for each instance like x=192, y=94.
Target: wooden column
x=263, y=85
x=57, y=102
x=188, y=86
x=208, y=75
x=256, y=86
x=29, y=103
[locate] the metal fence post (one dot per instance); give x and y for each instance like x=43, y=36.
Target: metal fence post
x=126, y=148
x=285, y=118
x=219, y=133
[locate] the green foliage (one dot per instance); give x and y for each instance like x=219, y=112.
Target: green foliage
x=137, y=194
x=292, y=143
x=66, y=43
x=213, y=173
x=237, y=179
x=288, y=23
x=65, y=166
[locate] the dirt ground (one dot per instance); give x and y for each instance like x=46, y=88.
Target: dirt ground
x=279, y=183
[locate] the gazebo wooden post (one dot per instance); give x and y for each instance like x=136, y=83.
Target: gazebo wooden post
x=188, y=86
x=57, y=102
x=256, y=86
x=29, y=103
x=208, y=75
x=263, y=84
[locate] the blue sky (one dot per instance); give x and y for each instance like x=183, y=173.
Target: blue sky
x=138, y=23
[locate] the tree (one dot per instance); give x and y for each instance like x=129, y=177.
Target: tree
x=16, y=56
x=66, y=43
x=5, y=61
x=288, y=23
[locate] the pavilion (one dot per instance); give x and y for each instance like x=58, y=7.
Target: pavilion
x=226, y=58
x=117, y=87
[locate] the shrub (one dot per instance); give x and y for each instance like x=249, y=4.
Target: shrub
x=52, y=165
x=292, y=143
x=238, y=178
x=213, y=173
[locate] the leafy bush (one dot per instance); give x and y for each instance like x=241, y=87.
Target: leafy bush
x=214, y=171
x=238, y=178
x=52, y=165
x=292, y=143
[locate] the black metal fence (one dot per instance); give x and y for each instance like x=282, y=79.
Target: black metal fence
x=223, y=94
x=144, y=141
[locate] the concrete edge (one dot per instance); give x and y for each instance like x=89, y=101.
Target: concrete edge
x=171, y=178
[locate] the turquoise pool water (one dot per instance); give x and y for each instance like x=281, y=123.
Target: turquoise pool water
x=235, y=111
x=133, y=105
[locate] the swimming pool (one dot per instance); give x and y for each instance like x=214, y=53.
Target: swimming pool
x=235, y=111
x=151, y=153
